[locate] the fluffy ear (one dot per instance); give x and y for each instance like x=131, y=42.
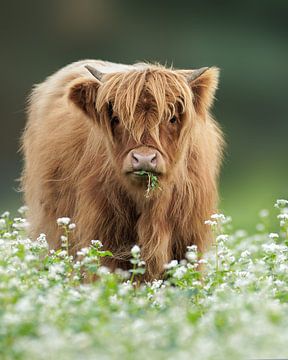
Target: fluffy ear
x=83, y=93
x=203, y=83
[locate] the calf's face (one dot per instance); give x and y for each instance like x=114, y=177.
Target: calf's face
x=146, y=116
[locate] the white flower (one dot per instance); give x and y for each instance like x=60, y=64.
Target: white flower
x=283, y=216
x=192, y=248
x=270, y=248
x=2, y=224
x=180, y=272
x=124, y=288
x=135, y=250
x=171, y=265
x=55, y=270
x=281, y=203
x=245, y=254
x=220, y=217
x=202, y=261
x=62, y=253
x=20, y=224
x=83, y=251
x=103, y=270
x=23, y=209
x=279, y=283
x=191, y=256
x=273, y=236
x=240, y=233
x=72, y=226
x=63, y=221
x=97, y=243
x=5, y=214
x=156, y=284
x=264, y=213
x=210, y=222
x=222, y=238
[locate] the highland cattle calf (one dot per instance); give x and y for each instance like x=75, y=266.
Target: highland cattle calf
x=96, y=131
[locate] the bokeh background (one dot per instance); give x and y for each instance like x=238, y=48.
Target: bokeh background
x=246, y=39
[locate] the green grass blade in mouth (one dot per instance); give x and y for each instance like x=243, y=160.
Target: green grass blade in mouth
x=152, y=182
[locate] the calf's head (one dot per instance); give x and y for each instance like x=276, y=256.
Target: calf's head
x=147, y=116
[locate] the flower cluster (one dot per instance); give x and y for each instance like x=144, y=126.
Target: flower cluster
x=55, y=305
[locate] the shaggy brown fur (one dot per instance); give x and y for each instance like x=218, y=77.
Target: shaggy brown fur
x=77, y=142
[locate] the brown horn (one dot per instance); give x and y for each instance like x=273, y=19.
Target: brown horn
x=96, y=73
x=196, y=73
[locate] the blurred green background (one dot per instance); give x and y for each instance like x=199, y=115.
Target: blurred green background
x=246, y=39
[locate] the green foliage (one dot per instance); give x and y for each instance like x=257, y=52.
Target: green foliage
x=152, y=181
x=234, y=308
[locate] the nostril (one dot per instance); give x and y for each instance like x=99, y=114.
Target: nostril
x=153, y=159
x=135, y=157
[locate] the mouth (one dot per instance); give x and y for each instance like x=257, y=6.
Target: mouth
x=145, y=173
x=148, y=179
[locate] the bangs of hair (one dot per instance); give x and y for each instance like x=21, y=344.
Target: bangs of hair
x=166, y=89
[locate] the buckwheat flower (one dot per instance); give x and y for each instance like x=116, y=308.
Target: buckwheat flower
x=125, y=275
x=264, y=213
x=245, y=254
x=23, y=209
x=103, y=270
x=77, y=265
x=97, y=243
x=171, y=264
x=2, y=224
x=63, y=238
x=281, y=203
x=62, y=253
x=180, y=272
x=124, y=288
x=21, y=224
x=135, y=250
x=202, y=261
x=196, y=283
x=72, y=226
x=114, y=300
x=273, y=236
x=5, y=214
x=283, y=268
x=55, y=270
x=283, y=216
x=220, y=217
x=191, y=256
x=192, y=248
x=63, y=221
x=156, y=284
x=83, y=251
x=279, y=283
x=222, y=238
x=210, y=222
x=240, y=233
x=30, y=257
x=270, y=248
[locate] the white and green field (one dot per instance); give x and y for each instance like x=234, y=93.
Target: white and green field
x=236, y=309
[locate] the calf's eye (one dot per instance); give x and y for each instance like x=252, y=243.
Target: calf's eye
x=114, y=121
x=173, y=120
